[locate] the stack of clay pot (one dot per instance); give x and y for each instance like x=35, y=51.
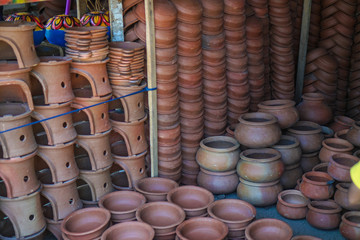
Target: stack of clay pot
x=190, y=85
x=281, y=45
x=321, y=75
x=236, y=60
x=337, y=29
x=214, y=67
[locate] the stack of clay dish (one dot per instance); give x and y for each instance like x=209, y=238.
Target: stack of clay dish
x=86, y=44
x=133, y=230
x=321, y=75
x=256, y=66
x=155, y=189
x=190, y=84
x=268, y=228
x=281, y=51
x=214, y=67
x=126, y=65
x=236, y=60
x=337, y=29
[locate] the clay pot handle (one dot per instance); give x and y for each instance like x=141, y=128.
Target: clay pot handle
x=23, y=85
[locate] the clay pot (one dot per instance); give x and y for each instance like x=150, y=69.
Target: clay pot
x=339, y=166
x=309, y=160
x=317, y=185
x=122, y=205
x=87, y=223
x=309, y=135
x=127, y=230
x=213, y=8
x=350, y=225
x=155, y=188
x=341, y=123
x=268, y=228
x=283, y=110
x=341, y=197
x=290, y=150
x=218, y=182
x=257, y=130
x=321, y=167
x=313, y=108
x=341, y=134
x=260, y=165
x=292, y=204
x=324, y=214
x=194, y=200
x=305, y=237
x=353, y=135
x=290, y=175
x=201, y=228
x=328, y=132
x=219, y=153
x=259, y=194
x=333, y=146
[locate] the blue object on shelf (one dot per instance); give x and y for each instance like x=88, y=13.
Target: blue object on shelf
x=56, y=37
x=39, y=37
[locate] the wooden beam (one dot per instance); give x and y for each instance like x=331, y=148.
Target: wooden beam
x=151, y=75
x=116, y=20
x=304, y=37
x=81, y=8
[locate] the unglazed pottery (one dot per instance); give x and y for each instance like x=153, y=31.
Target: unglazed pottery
x=331, y=146
x=350, y=225
x=290, y=175
x=129, y=230
x=339, y=166
x=309, y=160
x=324, y=214
x=341, y=197
x=353, y=135
x=313, y=108
x=309, y=135
x=341, y=123
x=292, y=204
x=321, y=167
x=155, y=188
x=290, y=150
x=317, y=185
x=268, y=228
x=218, y=182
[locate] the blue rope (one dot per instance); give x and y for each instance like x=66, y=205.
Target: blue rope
x=78, y=110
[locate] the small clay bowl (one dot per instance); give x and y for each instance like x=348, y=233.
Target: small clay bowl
x=292, y=204
x=324, y=214
x=339, y=166
x=268, y=228
x=155, y=189
x=129, y=230
x=350, y=225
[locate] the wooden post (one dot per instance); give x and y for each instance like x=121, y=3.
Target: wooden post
x=304, y=37
x=116, y=20
x=151, y=75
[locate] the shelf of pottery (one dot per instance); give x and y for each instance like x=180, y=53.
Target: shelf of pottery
x=64, y=144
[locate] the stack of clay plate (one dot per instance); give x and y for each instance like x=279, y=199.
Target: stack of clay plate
x=190, y=85
x=86, y=44
x=214, y=67
x=126, y=65
x=236, y=60
x=256, y=67
x=321, y=75
x=297, y=11
x=337, y=29
x=315, y=18
x=281, y=50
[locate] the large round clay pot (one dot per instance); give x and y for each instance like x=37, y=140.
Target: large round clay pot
x=290, y=150
x=218, y=182
x=341, y=197
x=324, y=214
x=155, y=188
x=353, y=135
x=292, y=204
x=309, y=160
x=284, y=110
x=313, y=108
x=309, y=135
x=290, y=176
x=268, y=228
x=260, y=165
x=341, y=123
x=317, y=185
x=350, y=225
x=333, y=146
x=257, y=130
x=218, y=153
x=259, y=194
x=339, y=166
x=129, y=230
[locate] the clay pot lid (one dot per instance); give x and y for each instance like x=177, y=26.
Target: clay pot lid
x=212, y=8
x=234, y=7
x=133, y=230
x=16, y=26
x=268, y=228
x=189, y=11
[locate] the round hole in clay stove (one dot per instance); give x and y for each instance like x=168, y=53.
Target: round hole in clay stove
x=65, y=124
x=31, y=217
x=63, y=85
x=22, y=138
x=68, y=165
x=26, y=178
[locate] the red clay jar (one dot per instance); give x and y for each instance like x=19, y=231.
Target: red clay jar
x=218, y=182
x=292, y=204
x=268, y=228
x=313, y=108
x=333, y=146
x=341, y=197
x=324, y=214
x=339, y=166
x=350, y=225
x=317, y=185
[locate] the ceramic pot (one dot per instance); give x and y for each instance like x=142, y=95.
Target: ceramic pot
x=333, y=146
x=324, y=214
x=350, y=225
x=314, y=109
x=341, y=134
x=353, y=135
x=317, y=185
x=309, y=135
x=201, y=228
x=321, y=167
x=305, y=237
x=218, y=182
x=341, y=123
x=290, y=150
x=127, y=230
x=339, y=166
x=290, y=176
x=155, y=189
x=341, y=197
x=283, y=110
x=268, y=228
x=259, y=194
x=260, y=165
x=309, y=160
x=218, y=153
x=292, y=204
x=257, y=130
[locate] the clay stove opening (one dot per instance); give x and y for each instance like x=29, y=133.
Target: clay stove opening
x=39, y=133
x=12, y=93
x=84, y=190
x=42, y=170
x=46, y=207
x=82, y=158
x=118, y=144
x=3, y=189
x=6, y=226
x=119, y=177
x=36, y=88
x=81, y=85
x=7, y=52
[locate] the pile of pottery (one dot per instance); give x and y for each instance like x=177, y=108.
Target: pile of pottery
x=236, y=60
x=214, y=68
x=321, y=75
x=86, y=44
x=337, y=29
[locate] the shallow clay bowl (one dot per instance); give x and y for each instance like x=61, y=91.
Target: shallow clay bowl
x=292, y=204
x=268, y=228
x=194, y=200
x=155, y=189
x=129, y=230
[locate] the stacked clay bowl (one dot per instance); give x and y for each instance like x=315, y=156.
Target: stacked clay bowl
x=126, y=65
x=281, y=50
x=321, y=75
x=190, y=84
x=86, y=44
x=337, y=29
x=214, y=68
x=236, y=60
x=315, y=19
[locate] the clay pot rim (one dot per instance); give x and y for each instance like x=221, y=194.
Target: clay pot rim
x=54, y=60
x=276, y=104
x=90, y=63
x=220, y=138
x=345, y=219
x=319, y=165
x=131, y=226
x=321, y=174
x=262, y=222
x=293, y=192
x=340, y=186
x=316, y=128
x=340, y=133
x=119, y=194
x=335, y=207
x=217, y=173
x=203, y=220
x=295, y=142
x=164, y=180
x=346, y=145
x=270, y=119
x=264, y=184
x=350, y=157
x=313, y=96
x=276, y=153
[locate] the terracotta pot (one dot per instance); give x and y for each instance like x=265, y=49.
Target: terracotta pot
x=290, y=150
x=305, y=237
x=341, y=123
x=313, y=108
x=317, y=185
x=218, y=182
x=192, y=199
x=87, y=223
x=259, y=194
x=324, y=214
x=350, y=225
x=309, y=135
x=309, y=160
x=321, y=167
x=292, y=204
x=341, y=197
x=202, y=228
x=219, y=153
x=339, y=166
x=155, y=188
x=283, y=110
x=268, y=228
x=353, y=135
x=341, y=134
x=257, y=130
x=290, y=175
x=333, y=146
x=133, y=230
